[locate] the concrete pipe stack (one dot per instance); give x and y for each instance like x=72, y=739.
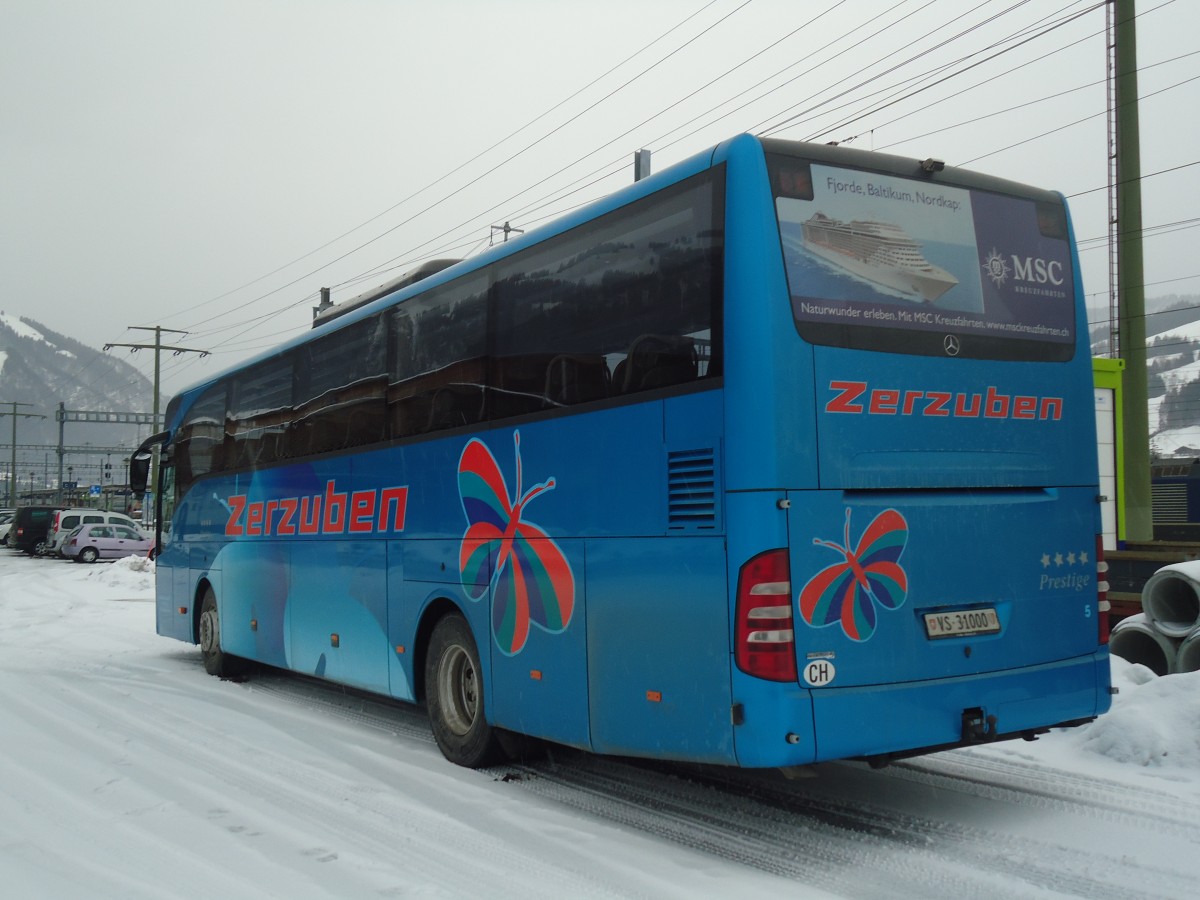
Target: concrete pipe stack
x=1165, y=636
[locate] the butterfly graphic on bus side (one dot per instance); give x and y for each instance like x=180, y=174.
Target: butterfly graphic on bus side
x=869, y=576
x=530, y=579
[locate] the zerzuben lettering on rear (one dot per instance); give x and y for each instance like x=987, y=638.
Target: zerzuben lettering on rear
x=858, y=398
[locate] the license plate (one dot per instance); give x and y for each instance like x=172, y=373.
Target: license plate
x=962, y=623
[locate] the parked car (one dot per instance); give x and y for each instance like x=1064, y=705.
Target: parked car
x=6, y=517
x=29, y=528
x=67, y=520
x=88, y=543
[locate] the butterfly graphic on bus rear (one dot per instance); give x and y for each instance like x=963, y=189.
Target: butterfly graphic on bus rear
x=530, y=578
x=848, y=592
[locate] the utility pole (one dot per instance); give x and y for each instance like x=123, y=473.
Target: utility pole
x=12, y=464
x=1131, y=291
x=158, y=346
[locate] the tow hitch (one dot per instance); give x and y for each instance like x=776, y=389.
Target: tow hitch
x=976, y=729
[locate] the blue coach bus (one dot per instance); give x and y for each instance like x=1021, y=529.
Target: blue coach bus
x=783, y=454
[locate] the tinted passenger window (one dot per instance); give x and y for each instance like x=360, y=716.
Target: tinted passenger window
x=341, y=392
x=199, y=443
x=259, y=410
x=628, y=303
x=440, y=358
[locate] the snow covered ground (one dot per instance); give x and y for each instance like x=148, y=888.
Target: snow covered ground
x=126, y=772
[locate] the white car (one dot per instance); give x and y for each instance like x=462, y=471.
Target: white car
x=6, y=517
x=67, y=520
x=88, y=543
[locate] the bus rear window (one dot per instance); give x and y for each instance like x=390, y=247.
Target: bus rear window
x=877, y=261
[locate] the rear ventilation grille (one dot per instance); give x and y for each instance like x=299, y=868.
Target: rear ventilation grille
x=691, y=489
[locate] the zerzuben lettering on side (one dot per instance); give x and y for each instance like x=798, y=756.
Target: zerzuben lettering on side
x=344, y=513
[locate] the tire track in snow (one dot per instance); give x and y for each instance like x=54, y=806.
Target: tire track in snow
x=785, y=829
x=1004, y=778
x=781, y=829
x=308, y=813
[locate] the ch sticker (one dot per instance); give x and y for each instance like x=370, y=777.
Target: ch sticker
x=819, y=673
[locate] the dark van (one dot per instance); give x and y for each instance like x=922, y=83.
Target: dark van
x=30, y=527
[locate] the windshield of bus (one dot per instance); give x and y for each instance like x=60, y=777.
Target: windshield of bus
x=876, y=261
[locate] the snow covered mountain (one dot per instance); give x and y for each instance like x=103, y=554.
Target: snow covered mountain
x=1173, y=373
x=1173, y=370
x=42, y=368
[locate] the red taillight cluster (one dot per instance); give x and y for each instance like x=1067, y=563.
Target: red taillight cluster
x=764, y=639
x=1103, y=605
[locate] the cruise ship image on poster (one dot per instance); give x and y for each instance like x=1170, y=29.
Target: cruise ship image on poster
x=880, y=252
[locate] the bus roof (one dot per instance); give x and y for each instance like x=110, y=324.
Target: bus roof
x=407, y=287
x=436, y=272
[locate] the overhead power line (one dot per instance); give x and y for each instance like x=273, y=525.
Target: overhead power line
x=945, y=78
x=554, y=199
x=1141, y=178
x=1076, y=122
x=479, y=156
x=999, y=112
x=499, y=206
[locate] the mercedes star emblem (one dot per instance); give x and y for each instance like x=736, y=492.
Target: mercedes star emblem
x=951, y=345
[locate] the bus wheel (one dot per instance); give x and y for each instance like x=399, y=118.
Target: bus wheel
x=454, y=696
x=216, y=661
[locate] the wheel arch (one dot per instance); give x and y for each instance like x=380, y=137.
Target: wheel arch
x=204, y=584
x=437, y=609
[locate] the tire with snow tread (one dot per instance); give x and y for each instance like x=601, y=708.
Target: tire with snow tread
x=216, y=661
x=454, y=692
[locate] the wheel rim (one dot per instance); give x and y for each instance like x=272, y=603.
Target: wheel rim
x=458, y=690
x=210, y=631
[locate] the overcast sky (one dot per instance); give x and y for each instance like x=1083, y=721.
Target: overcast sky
x=209, y=166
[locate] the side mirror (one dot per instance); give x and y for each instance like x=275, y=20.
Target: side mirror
x=139, y=463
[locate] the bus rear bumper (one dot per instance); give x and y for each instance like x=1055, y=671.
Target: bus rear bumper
x=884, y=722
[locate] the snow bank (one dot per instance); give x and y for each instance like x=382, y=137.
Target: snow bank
x=1152, y=722
x=131, y=574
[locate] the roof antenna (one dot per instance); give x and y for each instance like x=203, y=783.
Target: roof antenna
x=641, y=164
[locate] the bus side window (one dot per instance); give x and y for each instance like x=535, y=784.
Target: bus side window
x=439, y=358
x=626, y=303
x=657, y=360
x=576, y=378
x=260, y=405
x=199, y=445
x=341, y=390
